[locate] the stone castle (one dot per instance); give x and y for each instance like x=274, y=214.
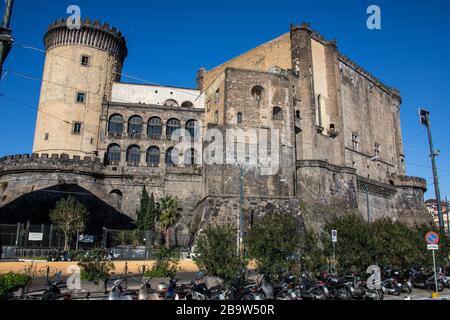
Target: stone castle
x=102, y=140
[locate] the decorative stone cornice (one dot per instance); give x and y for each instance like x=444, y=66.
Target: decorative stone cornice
x=91, y=34
x=375, y=187
x=324, y=165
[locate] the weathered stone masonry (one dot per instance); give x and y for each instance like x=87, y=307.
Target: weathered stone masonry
x=340, y=145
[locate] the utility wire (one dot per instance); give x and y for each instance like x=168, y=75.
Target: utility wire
x=28, y=47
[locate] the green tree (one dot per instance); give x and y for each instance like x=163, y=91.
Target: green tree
x=147, y=212
x=69, y=216
x=216, y=253
x=355, y=250
x=273, y=241
x=169, y=217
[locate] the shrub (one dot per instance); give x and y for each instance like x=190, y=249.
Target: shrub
x=12, y=282
x=273, y=241
x=166, y=265
x=216, y=253
x=94, y=267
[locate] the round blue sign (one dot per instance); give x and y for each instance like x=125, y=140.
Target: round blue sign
x=432, y=238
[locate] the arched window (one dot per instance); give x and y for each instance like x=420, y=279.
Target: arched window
x=117, y=195
x=187, y=104
x=193, y=128
x=239, y=117
x=277, y=113
x=115, y=126
x=134, y=156
x=153, y=157
x=113, y=154
x=154, y=129
x=172, y=156
x=257, y=92
x=172, y=126
x=191, y=157
x=171, y=103
x=135, y=126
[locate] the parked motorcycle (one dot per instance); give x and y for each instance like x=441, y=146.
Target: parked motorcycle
x=340, y=288
x=423, y=280
x=52, y=292
x=118, y=293
x=282, y=290
x=199, y=291
x=311, y=290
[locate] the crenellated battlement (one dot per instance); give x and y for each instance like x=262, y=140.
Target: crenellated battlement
x=92, y=34
x=353, y=65
x=55, y=162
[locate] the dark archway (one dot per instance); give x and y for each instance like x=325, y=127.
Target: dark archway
x=36, y=206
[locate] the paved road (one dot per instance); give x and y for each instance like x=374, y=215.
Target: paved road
x=135, y=282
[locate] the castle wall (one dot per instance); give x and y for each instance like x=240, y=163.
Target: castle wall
x=275, y=53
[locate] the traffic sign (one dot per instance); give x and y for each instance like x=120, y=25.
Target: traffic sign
x=433, y=247
x=432, y=238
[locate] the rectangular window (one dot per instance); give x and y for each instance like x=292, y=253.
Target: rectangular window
x=377, y=149
x=85, y=61
x=46, y=136
x=77, y=128
x=81, y=97
x=355, y=141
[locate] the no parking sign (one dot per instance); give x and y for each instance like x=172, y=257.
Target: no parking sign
x=432, y=239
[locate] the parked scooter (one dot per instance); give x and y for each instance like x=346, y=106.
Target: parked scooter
x=340, y=288
x=311, y=290
x=284, y=290
x=118, y=293
x=52, y=292
x=199, y=290
x=422, y=280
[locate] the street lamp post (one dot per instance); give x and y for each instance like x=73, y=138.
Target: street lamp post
x=374, y=158
x=5, y=33
x=240, y=240
x=425, y=120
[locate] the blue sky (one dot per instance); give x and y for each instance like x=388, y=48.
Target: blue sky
x=169, y=41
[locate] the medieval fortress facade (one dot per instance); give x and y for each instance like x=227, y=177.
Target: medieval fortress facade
x=331, y=128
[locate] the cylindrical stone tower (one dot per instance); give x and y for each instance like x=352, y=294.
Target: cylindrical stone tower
x=80, y=68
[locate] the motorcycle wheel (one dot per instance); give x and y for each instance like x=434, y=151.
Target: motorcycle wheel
x=348, y=294
x=318, y=294
x=407, y=289
x=248, y=297
x=380, y=294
